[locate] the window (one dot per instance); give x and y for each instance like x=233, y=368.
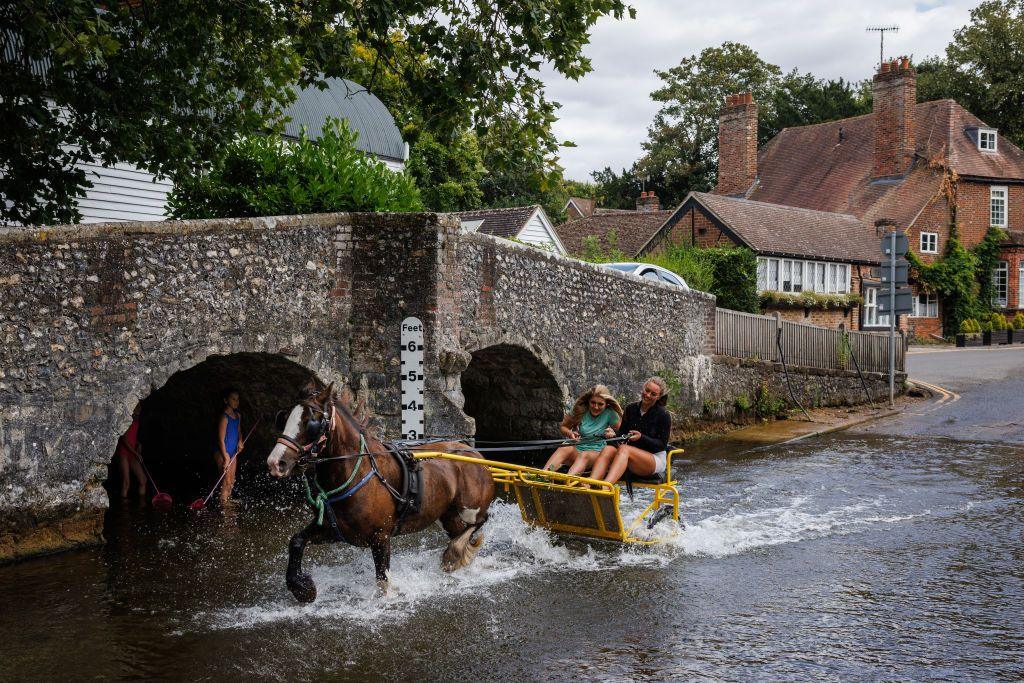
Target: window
x=925, y=306
x=872, y=318
x=1000, y=277
x=997, y=207
x=987, y=139
x=650, y=275
x=1020, y=285
x=929, y=242
x=790, y=275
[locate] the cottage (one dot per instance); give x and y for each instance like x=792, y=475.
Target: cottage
x=528, y=224
x=921, y=167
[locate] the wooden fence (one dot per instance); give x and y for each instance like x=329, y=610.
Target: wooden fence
x=746, y=335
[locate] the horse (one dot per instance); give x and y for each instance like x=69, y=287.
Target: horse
x=357, y=481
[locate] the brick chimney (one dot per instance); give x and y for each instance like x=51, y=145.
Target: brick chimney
x=895, y=99
x=648, y=201
x=737, y=144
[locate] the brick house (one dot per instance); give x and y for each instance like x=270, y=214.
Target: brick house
x=799, y=251
x=918, y=166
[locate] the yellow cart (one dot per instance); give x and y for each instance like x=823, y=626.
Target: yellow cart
x=580, y=505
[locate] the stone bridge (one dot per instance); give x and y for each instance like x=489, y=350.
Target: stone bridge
x=96, y=318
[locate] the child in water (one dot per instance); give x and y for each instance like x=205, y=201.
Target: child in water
x=229, y=441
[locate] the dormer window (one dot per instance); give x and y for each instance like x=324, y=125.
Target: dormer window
x=987, y=139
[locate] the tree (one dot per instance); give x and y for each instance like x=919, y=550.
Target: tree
x=682, y=141
x=986, y=61
x=448, y=175
x=166, y=85
x=802, y=100
x=265, y=175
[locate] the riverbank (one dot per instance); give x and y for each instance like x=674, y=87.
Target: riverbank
x=712, y=439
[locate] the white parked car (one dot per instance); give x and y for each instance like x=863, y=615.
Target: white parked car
x=650, y=272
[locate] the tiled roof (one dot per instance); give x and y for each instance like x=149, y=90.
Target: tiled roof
x=584, y=204
x=792, y=231
x=500, y=222
x=811, y=167
x=1014, y=238
x=632, y=229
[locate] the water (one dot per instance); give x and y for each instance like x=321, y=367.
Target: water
x=835, y=559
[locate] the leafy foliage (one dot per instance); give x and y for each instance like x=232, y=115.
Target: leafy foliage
x=816, y=300
x=167, y=85
x=962, y=278
x=448, y=175
x=263, y=175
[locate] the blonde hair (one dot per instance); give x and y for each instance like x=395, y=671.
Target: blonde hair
x=662, y=387
x=579, y=409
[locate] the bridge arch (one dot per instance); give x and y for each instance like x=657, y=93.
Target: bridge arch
x=512, y=393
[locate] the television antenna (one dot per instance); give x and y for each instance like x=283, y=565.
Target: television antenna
x=881, y=37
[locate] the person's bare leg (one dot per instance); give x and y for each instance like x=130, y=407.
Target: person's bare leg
x=140, y=476
x=229, y=481
x=638, y=461
x=560, y=456
x=602, y=461
x=123, y=466
x=583, y=461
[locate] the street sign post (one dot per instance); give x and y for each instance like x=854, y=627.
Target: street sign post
x=894, y=298
x=904, y=301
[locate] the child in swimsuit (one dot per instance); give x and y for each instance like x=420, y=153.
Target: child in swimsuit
x=229, y=441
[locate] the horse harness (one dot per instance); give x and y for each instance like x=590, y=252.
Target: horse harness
x=407, y=501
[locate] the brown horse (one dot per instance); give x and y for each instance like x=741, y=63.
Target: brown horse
x=356, y=483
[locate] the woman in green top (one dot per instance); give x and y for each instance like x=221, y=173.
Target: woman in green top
x=595, y=416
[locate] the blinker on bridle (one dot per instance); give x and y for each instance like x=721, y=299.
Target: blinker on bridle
x=318, y=426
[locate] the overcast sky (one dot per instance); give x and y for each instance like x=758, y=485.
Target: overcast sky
x=607, y=112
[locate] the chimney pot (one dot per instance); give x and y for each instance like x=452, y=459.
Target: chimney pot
x=885, y=68
x=748, y=98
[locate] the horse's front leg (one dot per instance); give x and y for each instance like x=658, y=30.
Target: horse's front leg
x=299, y=583
x=381, y=549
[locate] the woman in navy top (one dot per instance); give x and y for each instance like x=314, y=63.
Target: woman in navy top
x=647, y=424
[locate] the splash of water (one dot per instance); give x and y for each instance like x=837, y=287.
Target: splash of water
x=513, y=550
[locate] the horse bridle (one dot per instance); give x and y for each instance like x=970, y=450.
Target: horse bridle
x=317, y=429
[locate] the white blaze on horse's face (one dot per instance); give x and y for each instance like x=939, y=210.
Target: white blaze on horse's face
x=282, y=459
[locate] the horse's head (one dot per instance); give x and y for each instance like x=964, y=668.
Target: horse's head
x=305, y=427
x=311, y=425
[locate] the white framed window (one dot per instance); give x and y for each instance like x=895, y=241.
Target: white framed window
x=798, y=276
x=872, y=318
x=997, y=207
x=929, y=243
x=1020, y=284
x=819, y=285
x=988, y=139
x=844, y=279
x=762, y=274
x=925, y=306
x=791, y=275
x=773, y=275
x=1000, y=279
x=787, y=275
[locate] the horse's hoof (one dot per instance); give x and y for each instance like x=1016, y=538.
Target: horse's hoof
x=303, y=588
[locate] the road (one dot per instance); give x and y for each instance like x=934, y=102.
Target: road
x=986, y=399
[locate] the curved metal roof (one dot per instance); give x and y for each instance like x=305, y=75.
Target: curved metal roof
x=345, y=99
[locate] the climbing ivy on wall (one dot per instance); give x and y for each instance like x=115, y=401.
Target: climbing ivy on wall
x=962, y=278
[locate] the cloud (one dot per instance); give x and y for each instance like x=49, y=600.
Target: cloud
x=608, y=111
